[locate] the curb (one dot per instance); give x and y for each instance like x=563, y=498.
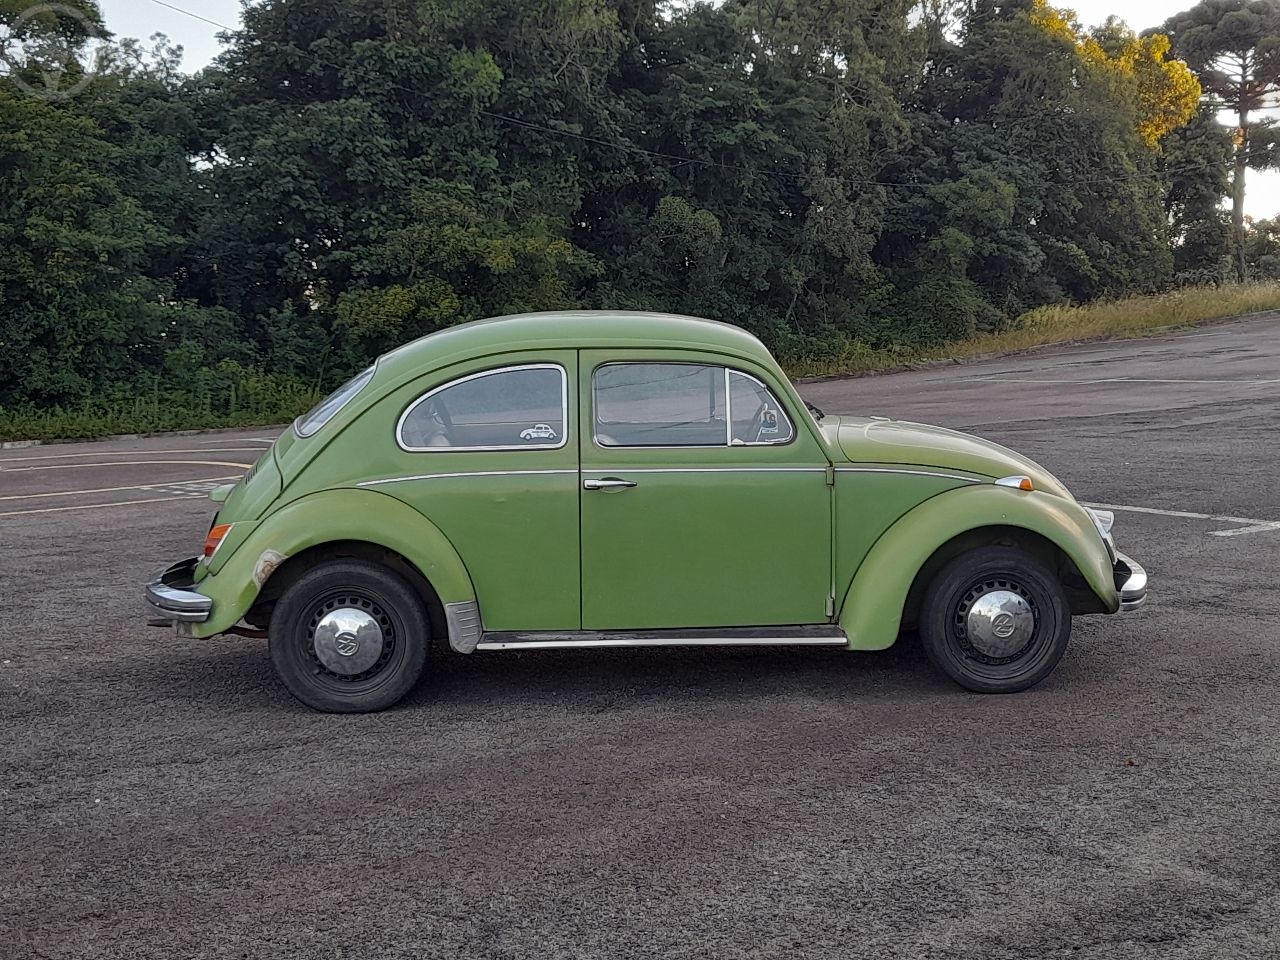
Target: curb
x=1154, y=332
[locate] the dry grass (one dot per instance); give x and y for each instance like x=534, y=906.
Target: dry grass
x=1105, y=320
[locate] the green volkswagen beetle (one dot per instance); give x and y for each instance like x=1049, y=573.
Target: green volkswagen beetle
x=597, y=479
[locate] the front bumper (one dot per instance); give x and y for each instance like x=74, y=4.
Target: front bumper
x=1131, y=582
x=170, y=597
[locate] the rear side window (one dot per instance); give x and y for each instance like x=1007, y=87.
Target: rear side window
x=684, y=405
x=326, y=409
x=512, y=408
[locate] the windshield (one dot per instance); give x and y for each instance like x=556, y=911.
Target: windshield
x=324, y=411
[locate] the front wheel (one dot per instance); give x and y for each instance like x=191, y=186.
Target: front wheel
x=349, y=637
x=995, y=620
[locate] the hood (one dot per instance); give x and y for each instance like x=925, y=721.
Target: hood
x=866, y=440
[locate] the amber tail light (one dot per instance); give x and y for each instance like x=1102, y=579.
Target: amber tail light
x=214, y=540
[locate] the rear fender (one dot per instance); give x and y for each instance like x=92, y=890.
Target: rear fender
x=329, y=517
x=871, y=614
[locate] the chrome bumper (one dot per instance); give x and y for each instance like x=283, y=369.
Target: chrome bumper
x=1131, y=582
x=170, y=597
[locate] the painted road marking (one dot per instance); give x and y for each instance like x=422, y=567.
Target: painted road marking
x=1251, y=525
x=130, y=463
x=1003, y=379
x=176, y=487
x=91, y=506
x=244, y=440
x=194, y=488
x=125, y=453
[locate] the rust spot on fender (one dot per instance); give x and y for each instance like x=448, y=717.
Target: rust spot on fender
x=267, y=564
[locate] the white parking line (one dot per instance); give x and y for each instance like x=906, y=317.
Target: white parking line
x=129, y=463
x=1251, y=525
x=156, y=487
x=1001, y=379
x=91, y=506
x=123, y=453
x=244, y=440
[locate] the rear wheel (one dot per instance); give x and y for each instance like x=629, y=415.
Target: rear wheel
x=995, y=620
x=349, y=636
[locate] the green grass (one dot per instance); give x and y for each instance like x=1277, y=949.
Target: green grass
x=256, y=399
x=268, y=401
x=1104, y=320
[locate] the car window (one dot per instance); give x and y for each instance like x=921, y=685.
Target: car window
x=523, y=407
x=757, y=415
x=324, y=411
x=659, y=405
x=683, y=405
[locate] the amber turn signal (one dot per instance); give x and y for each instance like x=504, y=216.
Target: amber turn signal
x=1018, y=482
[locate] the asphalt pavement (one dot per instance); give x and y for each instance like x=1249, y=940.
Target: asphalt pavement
x=166, y=798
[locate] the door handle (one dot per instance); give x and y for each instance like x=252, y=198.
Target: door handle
x=607, y=483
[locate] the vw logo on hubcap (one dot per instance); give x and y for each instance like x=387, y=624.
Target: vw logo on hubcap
x=348, y=643
x=999, y=623
x=348, y=640
x=1003, y=626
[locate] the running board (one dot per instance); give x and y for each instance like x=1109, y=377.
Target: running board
x=819, y=636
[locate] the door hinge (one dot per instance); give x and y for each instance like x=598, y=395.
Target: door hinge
x=831, y=475
x=831, y=606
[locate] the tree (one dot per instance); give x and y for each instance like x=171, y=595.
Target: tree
x=1195, y=161
x=1234, y=45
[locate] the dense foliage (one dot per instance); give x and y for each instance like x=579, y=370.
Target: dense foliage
x=833, y=175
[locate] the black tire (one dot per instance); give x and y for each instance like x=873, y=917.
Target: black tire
x=375, y=593
x=991, y=665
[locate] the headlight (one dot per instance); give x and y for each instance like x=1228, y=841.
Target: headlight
x=1104, y=520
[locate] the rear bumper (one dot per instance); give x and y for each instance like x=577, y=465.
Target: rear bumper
x=171, y=597
x=1131, y=582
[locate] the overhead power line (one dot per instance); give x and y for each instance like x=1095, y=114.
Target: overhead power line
x=194, y=16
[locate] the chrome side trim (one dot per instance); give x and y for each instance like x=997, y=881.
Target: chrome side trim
x=913, y=473
x=465, y=628
x=625, y=469
x=840, y=641
x=812, y=635
x=473, y=473
x=564, y=411
x=1133, y=588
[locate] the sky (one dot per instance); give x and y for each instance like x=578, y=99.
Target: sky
x=198, y=37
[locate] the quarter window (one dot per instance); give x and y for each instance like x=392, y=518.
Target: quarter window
x=683, y=405
x=515, y=408
x=756, y=414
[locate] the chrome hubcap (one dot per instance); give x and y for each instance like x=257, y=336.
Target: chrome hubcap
x=1000, y=623
x=348, y=641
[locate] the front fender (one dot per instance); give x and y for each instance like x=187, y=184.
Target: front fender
x=327, y=517
x=872, y=611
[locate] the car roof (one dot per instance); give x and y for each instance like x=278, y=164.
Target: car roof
x=569, y=329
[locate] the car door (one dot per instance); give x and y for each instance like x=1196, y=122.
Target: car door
x=705, y=498
x=487, y=453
